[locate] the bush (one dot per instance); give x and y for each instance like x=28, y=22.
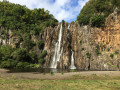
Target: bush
x=27, y=44
x=116, y=52
x=6, y=51
x=33, y=57
x=112, y=56
x=41, y=57
x=41, y=60
x=88, y=55
x=34, y=65
x=97, y=52
x=40, y=44
x=43, y=54
x=97, y=21
x=23, y=65
x=10, y=63
x=82, y=49
x=17, y=45
x=1, y=56
x=51, y=72
x=37, y=65
x=21, y=55
x=80, y=42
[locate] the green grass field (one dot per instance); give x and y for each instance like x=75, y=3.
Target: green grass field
x=92, y=82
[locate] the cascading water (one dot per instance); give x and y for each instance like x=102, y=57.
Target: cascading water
x=58, y=50
x=72, y=66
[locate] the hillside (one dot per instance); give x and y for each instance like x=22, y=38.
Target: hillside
x=95, y=12
x=21, y=32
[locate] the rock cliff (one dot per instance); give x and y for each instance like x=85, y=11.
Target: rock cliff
x=94, y=48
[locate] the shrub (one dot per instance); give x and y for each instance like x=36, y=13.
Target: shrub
x=40, y=44
x=62, y=73
x=97, y=52
x=33, y=57
x=41, y=60
x=108, y=49
x=10, y=63
x=6, y=51
x=23, y=65
x=112, y=56
x=97, y=21
x=116, y=52
x=51, y=72
x=88, y=55
x=41, y=57
x=1, y=56
x=37, y=65
x=80, y=42
x=17, y=45
x=34, y=65
x=43, y=54
x=21, y=55
x=83, y=49
x=28, y=44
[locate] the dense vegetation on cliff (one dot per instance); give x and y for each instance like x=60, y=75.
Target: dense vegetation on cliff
x=17, y=17
x=95, y=12
x=21, y=23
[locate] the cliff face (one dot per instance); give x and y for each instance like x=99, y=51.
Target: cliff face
x=94, y=48
x=50, y=39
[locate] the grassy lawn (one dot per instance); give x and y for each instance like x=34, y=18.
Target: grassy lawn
x=92, y=82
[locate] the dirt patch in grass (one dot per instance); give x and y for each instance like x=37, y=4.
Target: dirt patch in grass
x=92, y=80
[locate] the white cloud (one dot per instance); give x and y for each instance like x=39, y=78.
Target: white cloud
x=61, y=9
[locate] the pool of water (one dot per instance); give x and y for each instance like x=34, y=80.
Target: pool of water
x=43, y=70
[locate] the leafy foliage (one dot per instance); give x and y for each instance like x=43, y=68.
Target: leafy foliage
x=25, y=25
x=40, y=44
x=95, y=12
x=41, y=57
x=97, y=21
x=17, y=17
x=21, y=55
x=27, y=44
x=6, y=52
x=88, y=55
x=112, y=56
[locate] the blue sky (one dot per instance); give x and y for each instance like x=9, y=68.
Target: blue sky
x=67, y=10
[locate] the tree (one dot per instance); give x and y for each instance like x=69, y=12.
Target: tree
x=95, y=9
x=27, y=44
x=6, y=51
x=41, y=57
x=21, y=55
x=98, y=21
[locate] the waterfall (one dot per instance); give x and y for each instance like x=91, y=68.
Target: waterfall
x=58, y=50
x=72, y=66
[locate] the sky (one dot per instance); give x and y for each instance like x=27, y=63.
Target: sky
x=67, y=10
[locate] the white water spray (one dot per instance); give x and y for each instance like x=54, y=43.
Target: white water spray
x=58, y=50
x=72, y=66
